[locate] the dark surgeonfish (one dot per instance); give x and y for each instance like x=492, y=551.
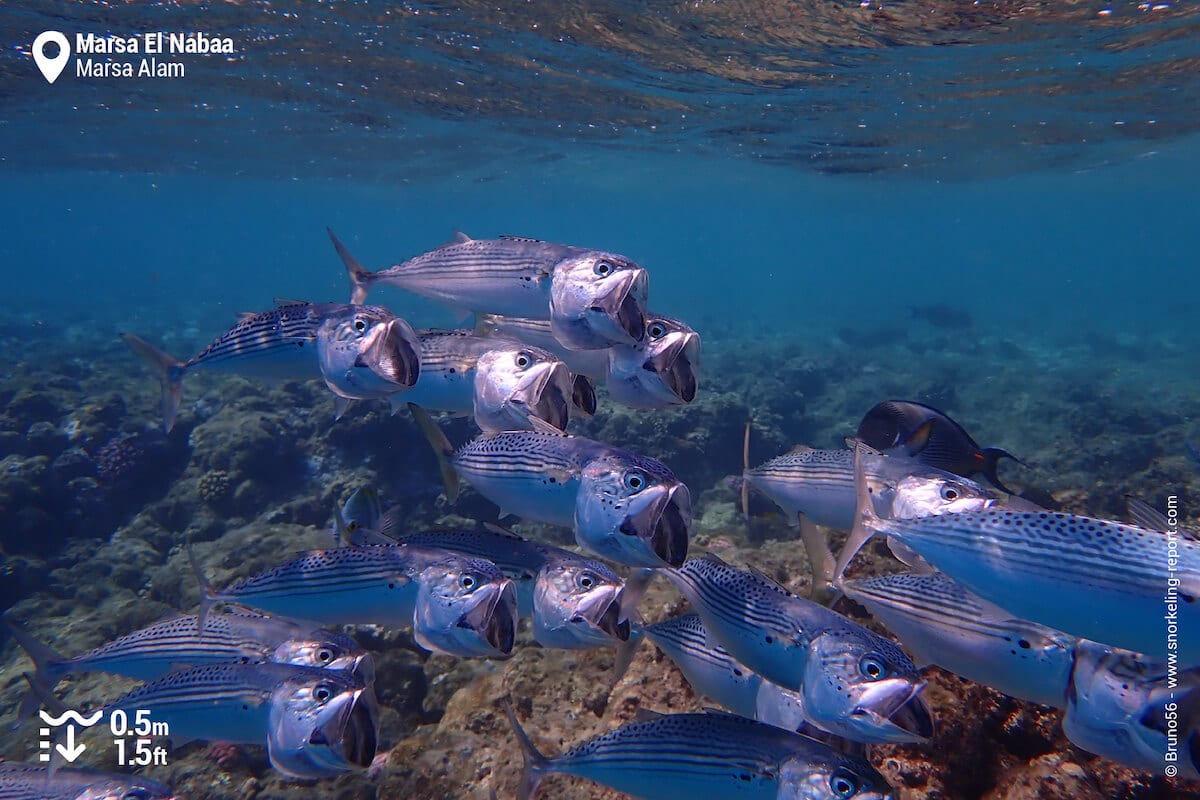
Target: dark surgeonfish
x=593, y=299
x=691, y=756
x=361, y=352
x=27, y=782
x=930, y=437
x=315, y=723
x=622, y=506
x=661, y=371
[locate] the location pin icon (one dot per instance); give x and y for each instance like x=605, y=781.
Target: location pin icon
x=51, y=67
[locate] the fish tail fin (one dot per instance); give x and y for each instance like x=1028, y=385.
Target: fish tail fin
x=169, y=370
x=745, y=482
x=441, y=448
x=535, y=763
x=991, y=459
x=210, y=597
x=864, y=516
x=46, y=668
x=361, y=278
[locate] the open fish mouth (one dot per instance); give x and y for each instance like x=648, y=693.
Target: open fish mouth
x=677, y=364
x=393, y=353
x=628, y=313
x=898, y=710
x=495, y=618
x=550, y=402
x=664, y=525
x=611, y=621
x=583, y=394
x=603, y=612
x=353, y=735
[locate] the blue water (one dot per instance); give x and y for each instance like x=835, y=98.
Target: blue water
x=794, y=176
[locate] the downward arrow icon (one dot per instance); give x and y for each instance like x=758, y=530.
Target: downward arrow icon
x=70, y=751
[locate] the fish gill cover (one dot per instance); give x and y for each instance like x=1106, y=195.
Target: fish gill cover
x=983, y=209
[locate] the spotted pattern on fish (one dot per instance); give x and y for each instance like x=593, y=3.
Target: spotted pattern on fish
x=738, y=596
x=294, y=325
x=328, y=570
x=1059, y=546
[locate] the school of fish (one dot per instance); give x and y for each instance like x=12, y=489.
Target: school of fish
x=1054, y=608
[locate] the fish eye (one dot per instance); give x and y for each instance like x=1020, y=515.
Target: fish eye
x=656, y=330
x=323, y=693
x=360, y=324
x=324, y=655
x=603, y=268
x=523, y=360
x=872, y=666
x=635, y=481
x=843, y=784
x=949, y=493
x=467, y=582
x=587, y=581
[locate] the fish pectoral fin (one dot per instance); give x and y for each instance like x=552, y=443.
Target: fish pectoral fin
x=341, y=405
x=503, y=531
x=541, y=426
x=854, y=443
x=918, y=439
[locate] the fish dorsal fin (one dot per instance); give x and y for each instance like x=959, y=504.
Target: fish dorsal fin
x=854, y=443
x=287, y=301
x=647, y=715
x=509, y=238
x=1142, y=513
x=242, y=316
x=459, y=238
x=801, y=448
x=762, y=576
x=541, y=426
x=500, y=530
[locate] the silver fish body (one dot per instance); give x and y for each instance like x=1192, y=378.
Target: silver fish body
x=708, y=667
x=622, y=506
x=361, y=352
x=854, y=682
x=660, y=371
x=942, y=623
x=315, y=723
x=688, y=756
x=598, y=299
x=574, y=601
x=236, y=636
x=25, y=782
x=592, y=298
x=820, y=485
x=499, y=276
x=460, y=606
x=501, y=382
x=1095, y=579
x=1123, y=706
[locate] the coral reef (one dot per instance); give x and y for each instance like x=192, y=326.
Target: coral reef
x=96, y=504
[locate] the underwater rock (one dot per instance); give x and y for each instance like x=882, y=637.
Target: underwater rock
x=72, y=463
x=1050, y=777
x=44, y=439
